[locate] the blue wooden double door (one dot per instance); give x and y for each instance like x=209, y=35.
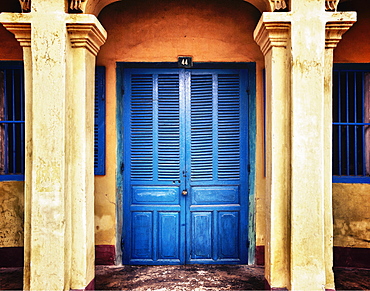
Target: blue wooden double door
x=186, y=172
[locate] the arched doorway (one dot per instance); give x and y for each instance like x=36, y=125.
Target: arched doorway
x=151, y=34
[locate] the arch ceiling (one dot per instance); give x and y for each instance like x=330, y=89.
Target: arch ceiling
x=95, y=6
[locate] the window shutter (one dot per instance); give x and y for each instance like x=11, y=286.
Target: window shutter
x=99, y=126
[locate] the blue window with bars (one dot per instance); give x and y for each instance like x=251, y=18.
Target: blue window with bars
x=351, y=121
x=12, y=121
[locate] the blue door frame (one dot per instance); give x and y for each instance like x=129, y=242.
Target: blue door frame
x=185, y=174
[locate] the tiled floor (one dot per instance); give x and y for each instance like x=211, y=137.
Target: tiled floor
x=190, y=277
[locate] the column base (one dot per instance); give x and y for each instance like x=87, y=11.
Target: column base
x=91, y=286
x=105, y=255
x=11, y=257
x=268, y=287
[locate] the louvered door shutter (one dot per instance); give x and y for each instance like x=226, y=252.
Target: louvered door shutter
x=168, y=127
x=99, y=122
x=229, y=127
x=215, y=127
x=202, y=127
x=155, y=127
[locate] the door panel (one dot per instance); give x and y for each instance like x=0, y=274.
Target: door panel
x=169, y=244
x=217, y=158
x=185, y=134
x=154, y=232
x=142, y=228
x=201, y=235
x=229, y=234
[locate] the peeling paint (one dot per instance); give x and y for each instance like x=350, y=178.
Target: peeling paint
x=11, y=214
x=351, y=208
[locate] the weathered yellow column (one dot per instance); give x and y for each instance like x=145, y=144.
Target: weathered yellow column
x=307, y=258
x=311, y=208
x=273, y=36
x=86, y=36
x=59, y=55
x=299, y=209
x=337, y=25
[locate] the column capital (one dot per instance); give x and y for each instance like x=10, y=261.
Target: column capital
x=334, y=32
x=85, y=31
x=20, y=25
x=272, y=31
x=337, y=24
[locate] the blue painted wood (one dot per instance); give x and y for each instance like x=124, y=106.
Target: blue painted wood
x=99, y=122
x=184, y=130
x=142, y=230
x=229, y=234
x=217, y=155
x=169, y=244
x=201, y=239
x=153, y=166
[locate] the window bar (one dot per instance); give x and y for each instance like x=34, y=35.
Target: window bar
x=339, y=126
x=14, y=142
x=6, y=150
x=347, y=127
x=355, y=120
x=363, y=127
x=22, y=125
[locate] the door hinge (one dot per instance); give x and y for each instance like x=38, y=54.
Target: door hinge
x=249, y=168
x=122, y=167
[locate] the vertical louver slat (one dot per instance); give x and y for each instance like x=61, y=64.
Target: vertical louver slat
x=201, y=127
x=168, y=127
x=141, y=134
x=228, y=127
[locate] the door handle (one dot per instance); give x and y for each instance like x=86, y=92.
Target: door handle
x=184, y=192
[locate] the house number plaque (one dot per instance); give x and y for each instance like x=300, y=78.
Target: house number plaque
x=185, y=62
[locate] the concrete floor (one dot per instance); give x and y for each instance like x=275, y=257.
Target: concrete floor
x=190, y=277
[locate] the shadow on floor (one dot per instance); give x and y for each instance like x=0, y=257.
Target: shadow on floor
x=190, y=277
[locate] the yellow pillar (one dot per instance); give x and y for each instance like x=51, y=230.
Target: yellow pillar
x=59, y=55
x=86, y=36
x=298, y=113
x=335, y=28
x=307, y=259
x=272, y=34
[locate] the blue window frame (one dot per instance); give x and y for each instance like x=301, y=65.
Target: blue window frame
x=351, y=123
x=12, y=122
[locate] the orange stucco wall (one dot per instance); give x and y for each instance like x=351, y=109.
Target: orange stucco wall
x=355, y=45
